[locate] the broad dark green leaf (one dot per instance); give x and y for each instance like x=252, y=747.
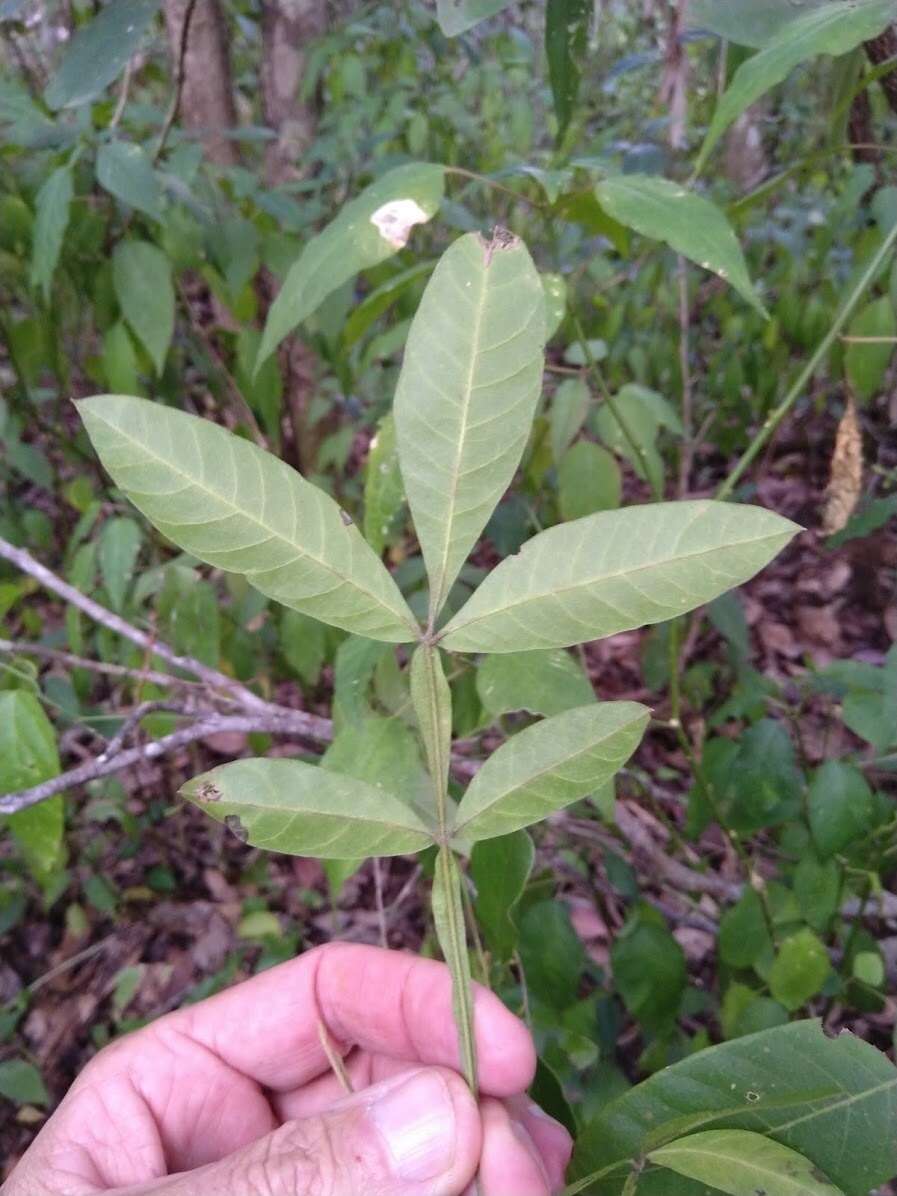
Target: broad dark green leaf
x=588, y=481
x=53, y=203
x=119, y=547
x=285, y=805
x=866, y=361
x=238, y=508
x=141, y=274
x=834, y=28
x=566, y=39
x=687, y=222
x=457, y=16
x=743, y=1163
x=649, y=972
x=99, y=52
x=28, y=756
x=748, y=25
x=500, y=868
x=384, y=492
x=645, y=413
x=125, y=171
x=22, y=1083
x=841, y=806
x=120, y=360
x=553, y=955
x=743, y=933
x=382, y=752
x=467, y=395
x=549, y=765
x=800, y=969
x=832, y=1100
x=614, y=571
x=370, y=229
x=542, y=682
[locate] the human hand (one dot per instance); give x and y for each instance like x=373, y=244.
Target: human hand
x=234, y=1096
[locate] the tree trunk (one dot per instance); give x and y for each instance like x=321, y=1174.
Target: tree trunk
x=287, y=28
x=207, y=99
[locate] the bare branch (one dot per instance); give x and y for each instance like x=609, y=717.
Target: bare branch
x=275, y=720
x=212, y=677
x=24, y=648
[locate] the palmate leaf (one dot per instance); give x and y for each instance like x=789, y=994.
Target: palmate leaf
x=742, y=1163
x=467, y=394
x=548, y=766
x=835, y=28
x=238, y=508
x=832, y=1100
x=370, y=229
x=299, y=809
x=616, y=570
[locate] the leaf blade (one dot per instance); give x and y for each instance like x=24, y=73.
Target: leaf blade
x=99, y=52
x=688, y=223
x=481, y=370
x=286, y=805
x=548, y=766
x=141, y=274
x=262, y=518
x=53, y=205
x=645, y=565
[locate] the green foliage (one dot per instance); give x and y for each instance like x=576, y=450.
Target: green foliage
x=742, y=1163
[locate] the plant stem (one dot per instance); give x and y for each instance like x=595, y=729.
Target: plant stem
x=448, y=916
x=847, y=309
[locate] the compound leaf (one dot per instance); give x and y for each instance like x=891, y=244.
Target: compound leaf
x=548, y=766
x=467, y=395
x=616, y=570
x=285, y=805
x=238, y=508
x=743, y=1163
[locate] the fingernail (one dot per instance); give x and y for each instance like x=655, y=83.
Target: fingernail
x=522, y=1135
x=417, y=1122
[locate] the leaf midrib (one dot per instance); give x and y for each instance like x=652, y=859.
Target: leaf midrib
x=732, y=1159
x=273, y=533
x=537, y=776
x=438, y=596
x=536, y=597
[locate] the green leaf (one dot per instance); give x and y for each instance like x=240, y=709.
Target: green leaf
x=650, y=973
x=817, y=887
x=28, y=756
x=119, y=359
x=382, y=752
x=553, y=955
x=353, y=671
x=566, y=40
x=285, y=805
x=384, y=493
x=554, y=287
x=432, y=700
x=238, y=508
x=380, y=300
x=370, y=229
x=867, y=364
x=141, y=274
x=588, y=481
x=742, y=1163
x=22, y=1083
x=467, y=394
x=841, y=806
x=120, y=542
x=755, y=25
x=743, y=933
x=835, y=28
x=548, y=766
x=303, y=641
x=499, y=869
x=832, y=1100
x=800, y=969
x=645, y=412
x=125, y=171
x=542, y=682
x=614, y=571
x=457, y=16
x=688, y=223
x=569, y=409
x=99, y=52
x=53, y=204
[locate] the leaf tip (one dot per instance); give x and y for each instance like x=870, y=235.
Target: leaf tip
x=501, y=240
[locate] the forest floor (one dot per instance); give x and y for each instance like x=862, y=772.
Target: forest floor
x=164, y=919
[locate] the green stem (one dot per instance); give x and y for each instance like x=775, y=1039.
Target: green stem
x=846, y=311
x=448, y=916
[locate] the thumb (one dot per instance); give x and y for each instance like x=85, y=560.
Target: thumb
x=416, y=1134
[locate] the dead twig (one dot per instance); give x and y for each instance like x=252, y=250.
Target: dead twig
x=56, y=656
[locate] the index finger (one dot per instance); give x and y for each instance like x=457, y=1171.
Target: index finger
x=383, y=1001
